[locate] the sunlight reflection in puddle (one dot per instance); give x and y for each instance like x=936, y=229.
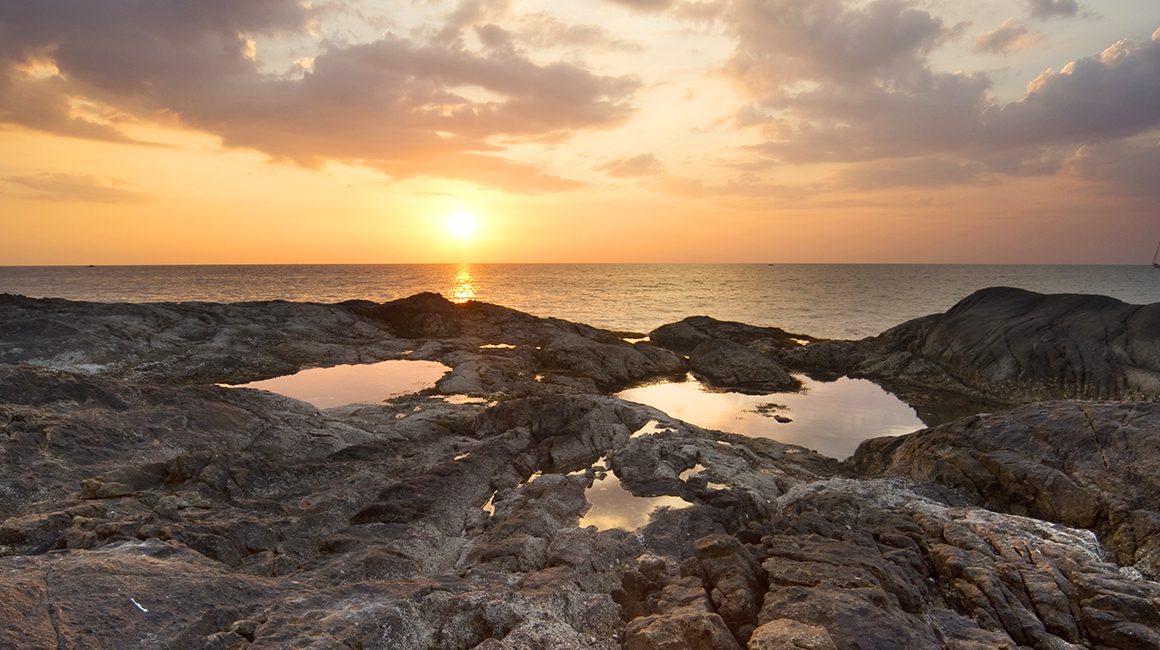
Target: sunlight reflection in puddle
x=830, y=417
x=615, y=507
x=466, y=399
x=649, y=428
x=692, y=471
x=369, y=383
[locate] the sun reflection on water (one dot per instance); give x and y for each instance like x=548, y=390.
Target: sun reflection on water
x=463, y=285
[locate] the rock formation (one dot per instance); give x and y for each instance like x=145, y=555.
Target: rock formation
x=141, y=505
x=1017, y=345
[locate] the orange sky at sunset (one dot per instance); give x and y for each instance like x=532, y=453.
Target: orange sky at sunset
x=278, y=131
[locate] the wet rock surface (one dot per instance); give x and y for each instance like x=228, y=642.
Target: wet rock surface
x=143, y=506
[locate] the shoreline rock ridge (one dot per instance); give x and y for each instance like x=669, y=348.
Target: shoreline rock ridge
x=144, y=505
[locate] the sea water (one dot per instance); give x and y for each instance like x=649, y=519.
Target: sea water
x=823, y=300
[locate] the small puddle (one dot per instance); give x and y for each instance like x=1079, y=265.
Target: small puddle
x=464, y=399
x=829, y=417
x=651, y=427
x=615, y=507
x=497, y=346
x=691, y=472
x=368, y=383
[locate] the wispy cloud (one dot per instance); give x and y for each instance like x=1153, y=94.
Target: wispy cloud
x=913, y=172
x=645, y=164
x=72, y=187
x=644, y=5
x=1010, y=36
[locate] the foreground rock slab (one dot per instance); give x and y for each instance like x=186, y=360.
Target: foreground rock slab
x=1084, y=464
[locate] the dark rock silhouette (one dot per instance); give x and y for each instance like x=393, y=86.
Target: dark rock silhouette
x=1017, y=345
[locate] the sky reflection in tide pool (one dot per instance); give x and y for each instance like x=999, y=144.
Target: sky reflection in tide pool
x=829, y=417
x=615, y=507
x=368, y=383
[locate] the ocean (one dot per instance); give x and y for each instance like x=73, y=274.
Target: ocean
x=824, y=300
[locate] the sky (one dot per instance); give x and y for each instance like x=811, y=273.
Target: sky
x=414, y=131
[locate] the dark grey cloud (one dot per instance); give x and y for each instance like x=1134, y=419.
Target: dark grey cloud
x=1009, y=36
x=1044, y=9
x=645, y=164
x=400, y=106
x=72, y=187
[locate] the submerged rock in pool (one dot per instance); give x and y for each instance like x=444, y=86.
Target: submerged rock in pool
x=726, y=364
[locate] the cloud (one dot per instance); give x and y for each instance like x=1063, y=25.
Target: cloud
x=913, y=172
x=832, y=81
x=541, y=30
x=870, y=122
x=1007, y=37
x=1115, y=94
x=1044, y=9
x=643, y=165
x=782, y=42
x=644, y=5
x=71, y=187
x=404, y=107
x=819, y=94
x=1125, y=167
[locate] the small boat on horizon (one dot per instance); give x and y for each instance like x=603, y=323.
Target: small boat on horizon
x=1156, y=257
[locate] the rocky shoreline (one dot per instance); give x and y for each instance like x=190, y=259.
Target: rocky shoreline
x=143, y=505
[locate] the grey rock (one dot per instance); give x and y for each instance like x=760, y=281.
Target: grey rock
x=141, y=506
x=1016, y=345
x=726, y=364
x=1084, y=464
x=685, y=335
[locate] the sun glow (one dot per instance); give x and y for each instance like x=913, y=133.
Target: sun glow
x=462, y=225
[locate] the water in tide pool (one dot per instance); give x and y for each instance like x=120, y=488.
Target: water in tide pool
x=831, y=417
x=824, y=300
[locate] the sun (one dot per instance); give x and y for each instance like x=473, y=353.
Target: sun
x=462, y=225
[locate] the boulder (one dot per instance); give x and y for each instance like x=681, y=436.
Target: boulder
x=1016, y=345
x=685, y=335
x=726, y=364
x=1084, y=464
